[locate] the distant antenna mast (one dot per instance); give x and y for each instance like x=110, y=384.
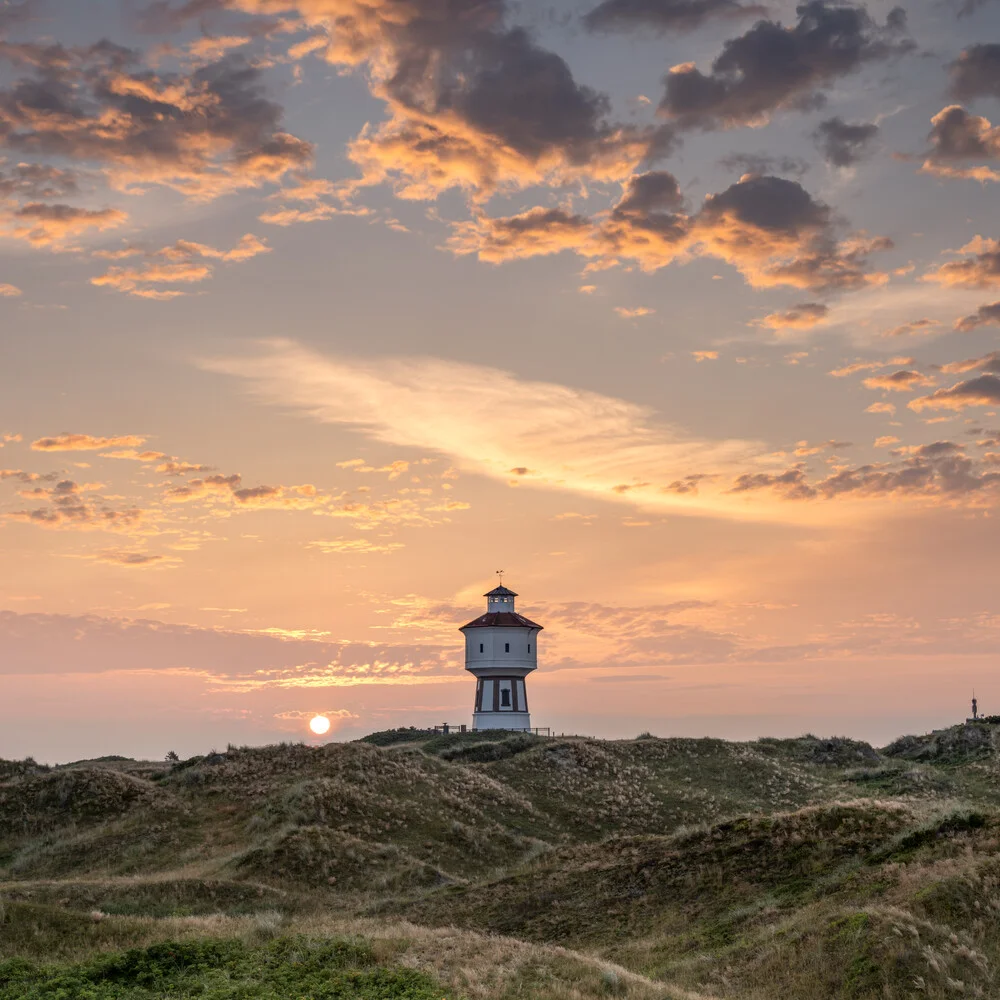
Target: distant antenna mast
x=975, y=706
x=500, y=574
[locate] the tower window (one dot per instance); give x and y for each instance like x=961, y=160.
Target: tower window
x=480, y=647
x=505, y=698
x=506, y=647
x=529, y=647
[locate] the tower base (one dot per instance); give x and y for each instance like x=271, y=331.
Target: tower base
x=501, y=720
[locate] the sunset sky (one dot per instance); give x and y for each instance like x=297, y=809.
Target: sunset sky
x=315, y=313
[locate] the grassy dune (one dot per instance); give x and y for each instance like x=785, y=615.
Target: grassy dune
x=411, y=866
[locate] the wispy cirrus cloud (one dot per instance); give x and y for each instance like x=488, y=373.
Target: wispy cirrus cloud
x=565, y=438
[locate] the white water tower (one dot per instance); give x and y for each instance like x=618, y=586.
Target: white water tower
x=501, y=649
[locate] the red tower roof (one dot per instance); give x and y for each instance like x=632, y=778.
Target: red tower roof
x=504, y=619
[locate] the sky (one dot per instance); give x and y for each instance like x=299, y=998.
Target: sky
x=316, y=313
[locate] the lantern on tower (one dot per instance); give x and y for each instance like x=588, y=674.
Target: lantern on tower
x=501, y=649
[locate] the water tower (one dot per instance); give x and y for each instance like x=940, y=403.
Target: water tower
x=501, y=649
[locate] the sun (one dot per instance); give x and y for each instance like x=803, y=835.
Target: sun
x=319, y=724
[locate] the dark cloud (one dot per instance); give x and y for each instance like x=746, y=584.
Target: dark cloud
x=843, y=143
x=764, y=163
x=771, y=67
x=12, y=14
x=202, y=133
x=36, y=181
x=45, y=225
x=976, y=73
x=939, y=469
x=956, y=137
x=161, y=16
x=474, y=102
x=67, y=504
x=983, y=390
x=664, y=15
x=770, y=229
x=790, y=484
x=776, y=233
x=983, y=316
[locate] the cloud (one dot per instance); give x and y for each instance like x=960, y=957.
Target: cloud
x=67, y=506
x=763, y=163
x=180, y=263
x=203, y=133
x=775, y=233
x=939, y=469
x=230, y=489
x=801, y=317
x=868, y=366
x=700, y=356
x=36, y=181
x=473, y=102
x=979, y=269
x=904, y=380
x=983, y=316
x=86, y=442
x=844, y=144
x=984, y=390
x=51, y=644
x=914, y=327
x=353, y=546
x=956, y=137
x=568, y=438
x=133, y=560
x=976, y=72
x=888, y=408
x=771, y=67
x=635, y=312
x=769, y=228
x=44, y=225
x=536, y=232
x=664, y=15
x=9, y=291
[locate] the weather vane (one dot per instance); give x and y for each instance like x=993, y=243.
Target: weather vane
x=500, y=574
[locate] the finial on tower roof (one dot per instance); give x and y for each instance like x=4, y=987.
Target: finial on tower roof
x=500, y=574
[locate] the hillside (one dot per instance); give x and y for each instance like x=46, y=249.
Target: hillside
x=410, y=865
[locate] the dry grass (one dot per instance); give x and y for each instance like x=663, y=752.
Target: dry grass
x=564, y=868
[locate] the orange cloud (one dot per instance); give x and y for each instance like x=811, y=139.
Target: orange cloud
x=86, y=442
x=904, y=380
x=56, y=226
x=799, y=317
x=983, y=390
x=635, y=312
x=769, y=228
x=979, y=269
x=179, y=263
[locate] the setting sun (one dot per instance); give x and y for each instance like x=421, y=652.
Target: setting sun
x=319, y=724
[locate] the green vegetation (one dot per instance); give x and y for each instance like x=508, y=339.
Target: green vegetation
x=495, y=866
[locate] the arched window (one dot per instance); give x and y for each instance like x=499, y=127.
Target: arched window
x=506, y=647
x=480, y=647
